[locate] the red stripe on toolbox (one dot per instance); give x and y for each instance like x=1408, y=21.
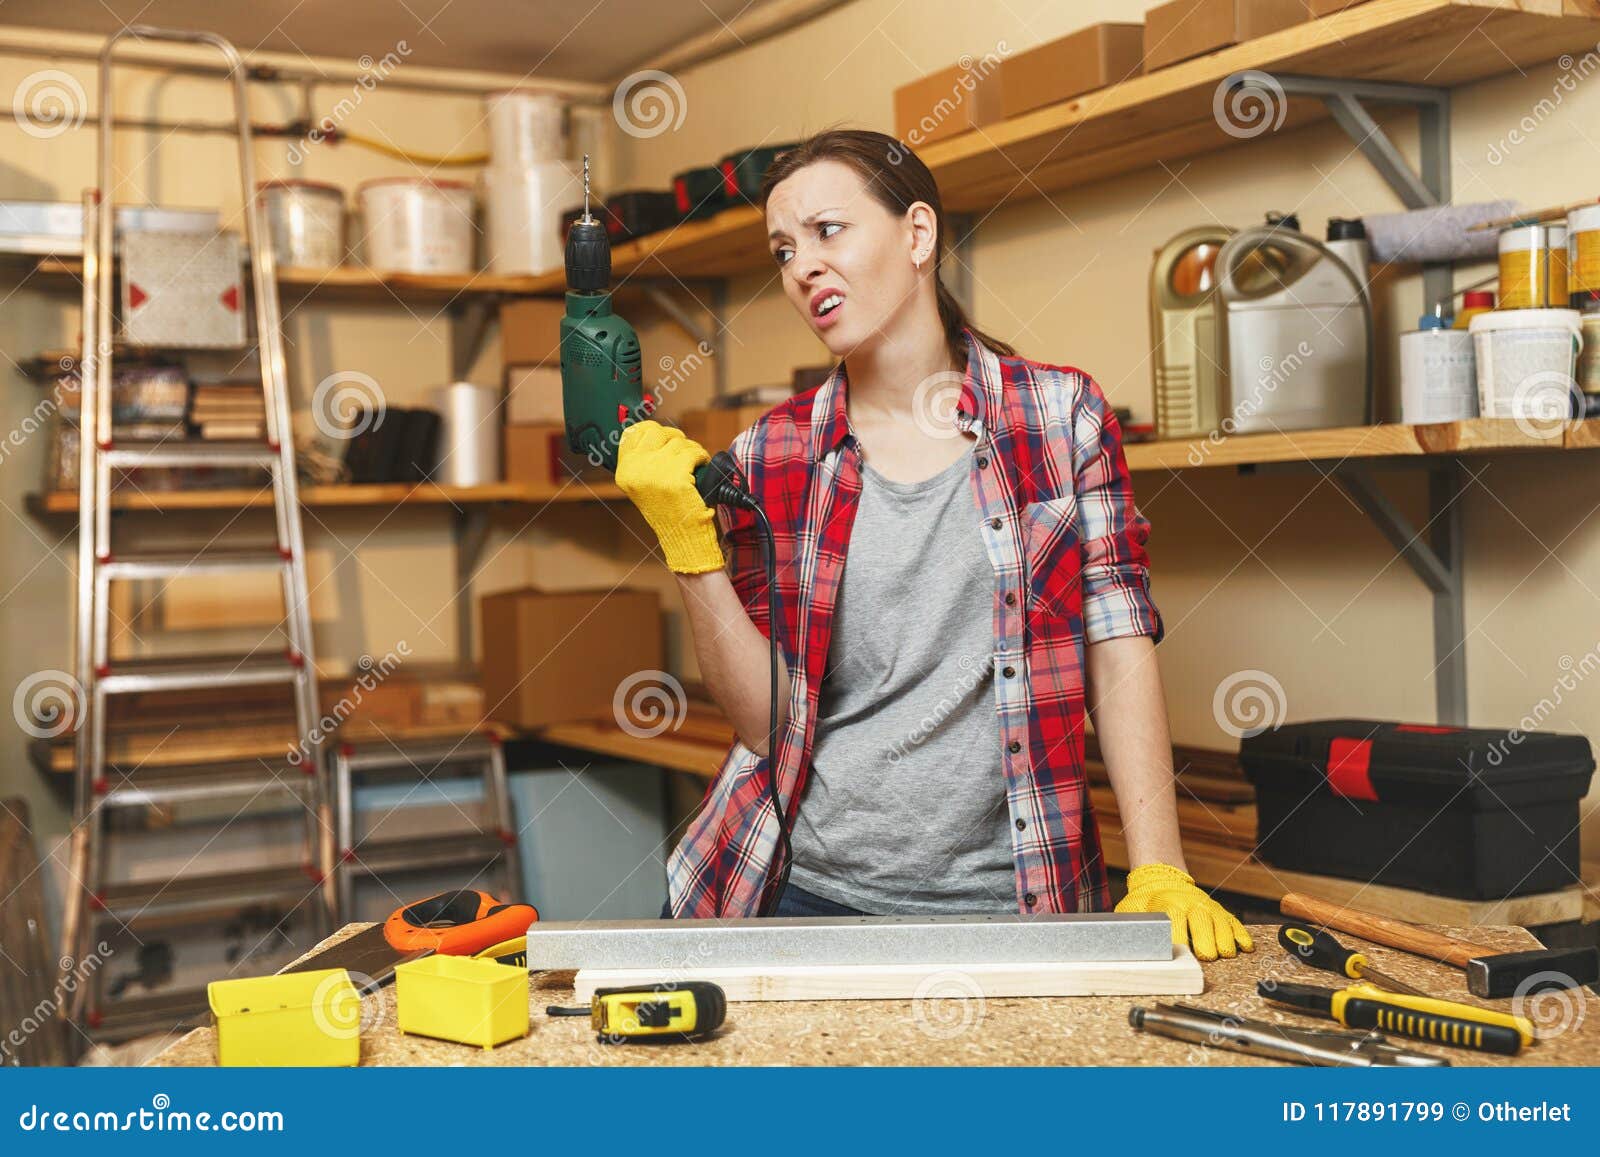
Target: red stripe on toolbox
x=1348, y=773
x=1427, y=727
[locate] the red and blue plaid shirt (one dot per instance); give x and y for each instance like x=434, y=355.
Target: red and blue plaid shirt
x=1070, y=568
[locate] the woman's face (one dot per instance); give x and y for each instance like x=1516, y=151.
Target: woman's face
x=833, y=240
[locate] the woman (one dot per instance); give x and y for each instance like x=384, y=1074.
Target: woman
x=962, y=574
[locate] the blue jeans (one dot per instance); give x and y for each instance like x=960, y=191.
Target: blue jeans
x=795, y=901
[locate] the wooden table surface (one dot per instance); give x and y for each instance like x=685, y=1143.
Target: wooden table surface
x=961, y=1030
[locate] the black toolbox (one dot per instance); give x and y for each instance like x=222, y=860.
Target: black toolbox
x=1473, y=812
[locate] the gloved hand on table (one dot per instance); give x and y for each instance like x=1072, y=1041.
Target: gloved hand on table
x=1196, y=917
x=655, y=468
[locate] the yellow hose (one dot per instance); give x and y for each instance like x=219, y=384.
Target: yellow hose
x=414, y=157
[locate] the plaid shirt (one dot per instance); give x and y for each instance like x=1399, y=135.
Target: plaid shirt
x=1068, y=549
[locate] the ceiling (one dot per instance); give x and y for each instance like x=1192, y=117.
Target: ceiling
x=589, y=40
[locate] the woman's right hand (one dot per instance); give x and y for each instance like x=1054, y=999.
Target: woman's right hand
x=655, y=469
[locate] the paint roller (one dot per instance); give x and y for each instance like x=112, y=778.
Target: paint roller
x=1439, y=233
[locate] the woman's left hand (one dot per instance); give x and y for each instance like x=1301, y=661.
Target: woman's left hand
x=1195, y=916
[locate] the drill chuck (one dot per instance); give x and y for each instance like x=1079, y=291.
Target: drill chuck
x=588, y=256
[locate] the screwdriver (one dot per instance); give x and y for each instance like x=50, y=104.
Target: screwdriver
x=1318, y=949
x=1446, y=1022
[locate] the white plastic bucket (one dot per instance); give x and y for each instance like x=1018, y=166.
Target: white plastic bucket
x=306, y=222
x=524, y=215
x=411, y=225
x=524, y=128
x=1526, y=362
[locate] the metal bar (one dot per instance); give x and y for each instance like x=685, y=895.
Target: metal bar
x=952, y=940
x=471, y=526
x=960, y=281
x=1449, y=607
x=1379, y=148
x=470, y=322
x=1394, y=525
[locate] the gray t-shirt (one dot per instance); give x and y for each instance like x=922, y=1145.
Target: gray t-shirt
x=905, y=808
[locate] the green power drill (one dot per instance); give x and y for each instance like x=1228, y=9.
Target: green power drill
x=602, y=380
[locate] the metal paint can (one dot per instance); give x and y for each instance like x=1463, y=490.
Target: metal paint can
x=1583, y=257
x=1533, y=266
x=306, y=222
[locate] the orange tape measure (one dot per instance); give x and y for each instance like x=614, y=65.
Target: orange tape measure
x=457, y=923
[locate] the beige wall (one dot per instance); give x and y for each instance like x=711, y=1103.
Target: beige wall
x=1276, y=572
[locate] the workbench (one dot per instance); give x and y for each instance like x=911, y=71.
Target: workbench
x=1045, y=1031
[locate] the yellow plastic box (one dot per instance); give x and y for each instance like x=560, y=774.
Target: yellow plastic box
x=299, y=1018
x=461, y=998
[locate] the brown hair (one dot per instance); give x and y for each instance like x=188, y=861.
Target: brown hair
x=897, y=179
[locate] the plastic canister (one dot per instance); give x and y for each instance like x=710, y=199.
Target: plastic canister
x=411, y=225
x=1474, y=302
x=306, y=222
x=1526, y=361
x=1533, y=266
x=524, y=128
x=469, y=434
x=524, y=208
x=1583, y=257
x=1589, y=355
x=1438, y=378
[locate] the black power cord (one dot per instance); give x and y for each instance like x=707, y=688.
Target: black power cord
x=720, y=482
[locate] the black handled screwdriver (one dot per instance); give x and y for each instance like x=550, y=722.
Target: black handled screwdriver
x=1318, y=949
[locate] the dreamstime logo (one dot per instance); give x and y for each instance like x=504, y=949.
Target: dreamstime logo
x=649, y=103
x=1247, y=104
x=346, y=404
x=1273, y=374
x=1553, y=1001
x=373, y=73
x=373, y=673
x=1546, y=404
x=935, y=404
x=970, y=73
x=975, y=673
x=339, y=1010
x=48, y=704
x=71, y=975
x=648, y=703
x=947, y=1004
x=1249, y=702
x=49, y=102
x=1572, y=71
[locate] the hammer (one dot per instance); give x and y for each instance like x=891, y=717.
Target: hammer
x=1490, y=972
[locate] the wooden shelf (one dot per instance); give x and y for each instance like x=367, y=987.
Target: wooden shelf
x=1167, y=115
x=354, y=283
x=1389, y=440
x=385, y=494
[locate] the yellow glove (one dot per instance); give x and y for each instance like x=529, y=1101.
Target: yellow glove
x=1163, y=888
x=655, y=468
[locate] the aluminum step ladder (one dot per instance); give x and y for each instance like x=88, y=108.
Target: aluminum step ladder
x=488, y=843
x=93, y=900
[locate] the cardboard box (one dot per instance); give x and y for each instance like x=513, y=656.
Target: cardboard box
x=537, y=454
x=945, y=103
x=716, y=429
x=1088, y=59
x=1188, y=28
x=550, y=657
x=1321, y=8
x=533, y=394
x=530, y=331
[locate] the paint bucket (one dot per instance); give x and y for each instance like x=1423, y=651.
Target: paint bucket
x=1526, y=361
x=469, y=434
x=524, y=208
x=1533, y=266
x=306, y=222
x=417, y=226
x=1438, y=378
x=1583, y=257
x=524, y=128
